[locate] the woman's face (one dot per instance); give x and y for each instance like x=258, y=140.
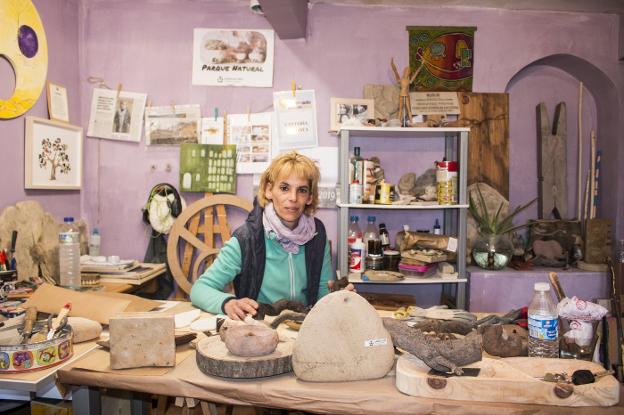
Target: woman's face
x=290, y=196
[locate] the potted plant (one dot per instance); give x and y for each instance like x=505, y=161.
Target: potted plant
x=493, y=248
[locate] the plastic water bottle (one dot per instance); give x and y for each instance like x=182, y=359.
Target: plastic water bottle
x=371, y=234
x=543, y=323
x=69, y=254
x=94, y=242
x=354, y=231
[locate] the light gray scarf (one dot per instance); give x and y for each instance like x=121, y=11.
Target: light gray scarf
x=290, y=239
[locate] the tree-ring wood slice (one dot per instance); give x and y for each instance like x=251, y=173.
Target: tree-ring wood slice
x=214, y=359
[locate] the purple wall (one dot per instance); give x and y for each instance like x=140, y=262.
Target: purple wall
x=347, y=47
x=60, y=21
x=147, y=46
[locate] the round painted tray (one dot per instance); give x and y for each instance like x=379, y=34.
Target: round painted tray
x=36, y=356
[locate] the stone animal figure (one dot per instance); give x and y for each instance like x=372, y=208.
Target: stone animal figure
x=405, y=106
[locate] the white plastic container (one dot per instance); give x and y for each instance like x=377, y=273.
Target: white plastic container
x=94, y=242
x=355, y=193
x=356, y=256
x=543, y=323
x=69, y=254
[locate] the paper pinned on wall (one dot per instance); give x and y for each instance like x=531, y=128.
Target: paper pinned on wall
x=212, y=130
x=116, y=115
x=208, y=168
x=172, y=124
x=233, y=57
x=252, y=135
x=296, y=119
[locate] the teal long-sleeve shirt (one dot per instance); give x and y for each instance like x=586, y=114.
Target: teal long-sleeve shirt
x=285, y=275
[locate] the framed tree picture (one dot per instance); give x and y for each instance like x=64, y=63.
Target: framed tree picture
x=52, y=155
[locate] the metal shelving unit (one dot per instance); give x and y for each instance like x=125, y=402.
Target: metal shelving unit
x=455, y=216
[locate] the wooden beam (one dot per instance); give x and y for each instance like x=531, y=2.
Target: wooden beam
x=289, y=18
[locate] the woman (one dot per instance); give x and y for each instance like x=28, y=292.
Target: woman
x=281, y=251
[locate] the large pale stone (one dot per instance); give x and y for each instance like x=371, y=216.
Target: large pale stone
x=141, y=339
x=386, y=98
x=342, y=339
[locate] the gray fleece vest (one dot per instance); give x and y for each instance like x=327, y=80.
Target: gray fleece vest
x=253, y=255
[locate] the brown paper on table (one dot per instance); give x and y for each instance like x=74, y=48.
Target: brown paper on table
x=92, y=305
x=99, y=361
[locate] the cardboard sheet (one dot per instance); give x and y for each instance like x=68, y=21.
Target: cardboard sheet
x=98, y=306
x=98, y=360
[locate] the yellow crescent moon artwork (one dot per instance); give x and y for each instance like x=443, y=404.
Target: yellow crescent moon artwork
x=23, y=43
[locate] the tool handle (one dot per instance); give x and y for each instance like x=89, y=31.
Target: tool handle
x=61, y=315
x=554, y=281
x=13, y=240
x=29, y=322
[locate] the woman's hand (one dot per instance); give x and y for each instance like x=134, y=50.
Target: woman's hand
x=238, y=309
x=348, y=287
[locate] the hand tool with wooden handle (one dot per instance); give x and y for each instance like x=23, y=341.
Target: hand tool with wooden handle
x=56, y=323
x=554, y=281
x=29, y=322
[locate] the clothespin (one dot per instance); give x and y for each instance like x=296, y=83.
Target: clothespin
x=225, y=128
x=216, y=113
x=293, y=86
x=118, y=91
x=149, y=103
x=173, y=107
x=248, y=113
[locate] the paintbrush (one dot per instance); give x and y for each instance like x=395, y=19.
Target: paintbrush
x=56, y=323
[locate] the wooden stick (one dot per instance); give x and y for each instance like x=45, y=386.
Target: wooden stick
x=580, y=148
x=585, y=205
x=592, y=172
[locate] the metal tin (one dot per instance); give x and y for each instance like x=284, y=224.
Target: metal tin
x=37, y=356
x=385, y=193
x=374, y=262
x=391, y=260
x=446, y=182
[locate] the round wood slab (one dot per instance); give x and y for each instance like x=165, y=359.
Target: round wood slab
x=214, y=359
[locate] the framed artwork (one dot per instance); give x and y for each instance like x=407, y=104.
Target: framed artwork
x=446, y=55
x=52, y=155
x=58, y=106
x=351, y=111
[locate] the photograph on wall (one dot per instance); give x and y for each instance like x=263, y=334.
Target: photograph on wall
x=58, y=105
x=212, y=129
x=353, y=112
x=295, y=116
x=172, y=124
x=116, y=115
x=251, y=133
x=53, y=155
x=208, y=168
x=233, y=57
x=446, y=55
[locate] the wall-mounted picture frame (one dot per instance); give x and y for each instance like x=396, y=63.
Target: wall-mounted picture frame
x=350, y=110
x=52, y=155
x=58, y=105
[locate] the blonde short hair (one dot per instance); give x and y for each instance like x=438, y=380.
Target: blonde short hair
x=286, y=164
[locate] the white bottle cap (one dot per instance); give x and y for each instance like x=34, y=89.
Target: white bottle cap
x=406, y=228
x=541, y=286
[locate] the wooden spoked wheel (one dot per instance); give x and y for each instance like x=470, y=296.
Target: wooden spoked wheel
x=191, y=240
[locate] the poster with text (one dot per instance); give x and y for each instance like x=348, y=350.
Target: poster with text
x=116, y=115
x=295, y=119
x=252, y=135
x=233, y=57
